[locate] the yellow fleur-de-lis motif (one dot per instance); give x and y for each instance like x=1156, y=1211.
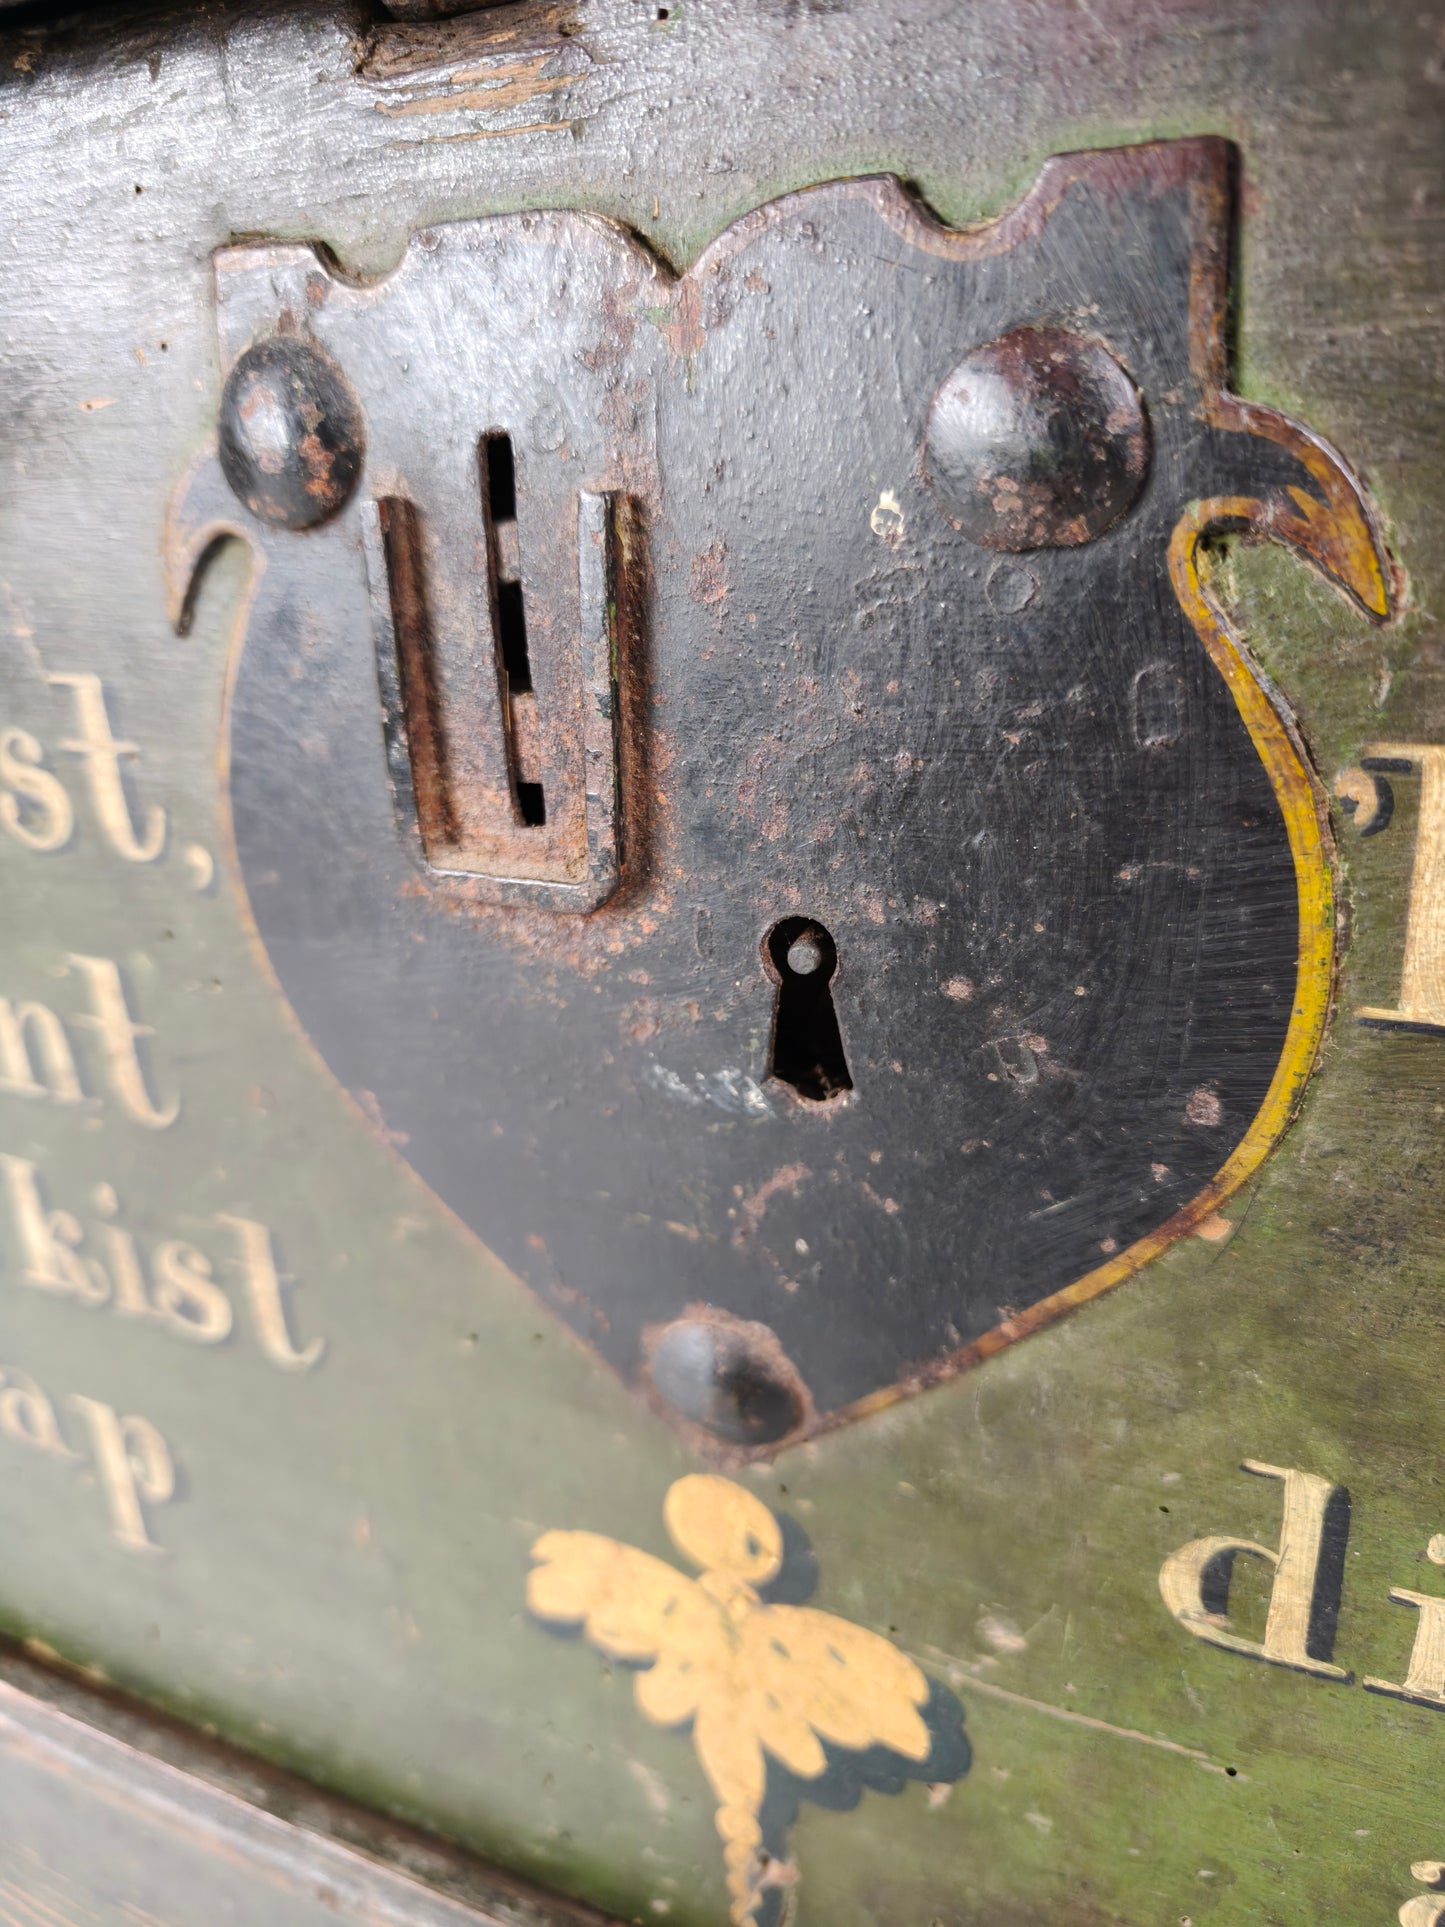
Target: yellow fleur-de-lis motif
x=754, y=1679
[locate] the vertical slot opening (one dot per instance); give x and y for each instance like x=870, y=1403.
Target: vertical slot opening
x=499, y=493
x=512, y=624
x=501, y=478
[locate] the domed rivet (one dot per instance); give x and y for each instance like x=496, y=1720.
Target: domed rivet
x=732, y=1379
x=291, y=435
x=1037, y=441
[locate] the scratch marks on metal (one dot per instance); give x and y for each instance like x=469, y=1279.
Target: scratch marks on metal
x=730, y=1089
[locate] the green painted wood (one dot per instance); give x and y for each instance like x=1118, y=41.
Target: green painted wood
x=338, y=1584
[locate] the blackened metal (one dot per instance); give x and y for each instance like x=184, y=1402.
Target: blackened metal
x=1022, y=801
x=1037, y=441
x=290, y=434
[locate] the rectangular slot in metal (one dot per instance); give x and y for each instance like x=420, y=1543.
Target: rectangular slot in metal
x=466, y=775
x=499, y=500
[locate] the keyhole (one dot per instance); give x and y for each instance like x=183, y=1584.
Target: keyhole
x=807, y=1044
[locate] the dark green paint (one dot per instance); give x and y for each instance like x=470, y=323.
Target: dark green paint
x=452, y=1414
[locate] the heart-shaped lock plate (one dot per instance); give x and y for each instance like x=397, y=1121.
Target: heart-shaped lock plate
x=740, y=774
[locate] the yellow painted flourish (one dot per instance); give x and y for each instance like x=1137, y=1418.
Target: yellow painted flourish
x=754, y=1679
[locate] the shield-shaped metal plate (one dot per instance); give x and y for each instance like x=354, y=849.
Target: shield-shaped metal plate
x=740, y=776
